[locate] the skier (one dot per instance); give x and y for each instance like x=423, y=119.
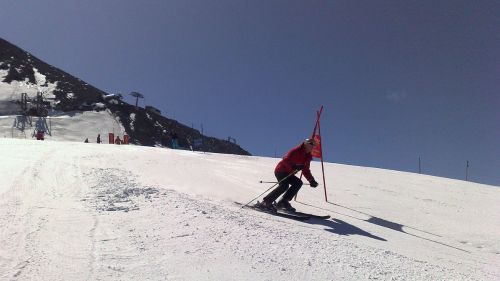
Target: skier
x=98, y=138
x=297, y=159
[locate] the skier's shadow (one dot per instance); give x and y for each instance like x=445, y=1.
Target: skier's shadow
x=377, y=221
x=341, y=227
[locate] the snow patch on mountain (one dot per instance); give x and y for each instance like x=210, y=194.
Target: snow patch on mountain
x=12, y=91
x=40, y=78
x=132, y=121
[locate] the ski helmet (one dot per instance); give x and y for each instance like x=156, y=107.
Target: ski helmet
x=310, y=142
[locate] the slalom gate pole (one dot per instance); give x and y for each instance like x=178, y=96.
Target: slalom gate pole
x=292, y=173
x=276, y=182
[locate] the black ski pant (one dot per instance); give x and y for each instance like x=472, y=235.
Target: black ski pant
x=290, y=186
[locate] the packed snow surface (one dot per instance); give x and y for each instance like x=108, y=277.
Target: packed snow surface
x=75, y=211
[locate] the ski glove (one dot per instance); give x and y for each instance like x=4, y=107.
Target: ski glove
x=313, y=183
x=298, y=167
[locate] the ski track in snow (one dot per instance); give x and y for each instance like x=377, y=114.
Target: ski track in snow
x=90, y=221
x=33, y=222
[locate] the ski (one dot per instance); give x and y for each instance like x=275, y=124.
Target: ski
x=280, y=213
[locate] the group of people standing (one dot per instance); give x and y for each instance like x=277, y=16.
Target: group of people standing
x=98, y=140
x=173, y=136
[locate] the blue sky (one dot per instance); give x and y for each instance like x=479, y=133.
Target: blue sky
x=398, y=79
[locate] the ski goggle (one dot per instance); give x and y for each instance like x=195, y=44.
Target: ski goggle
x=310, y=142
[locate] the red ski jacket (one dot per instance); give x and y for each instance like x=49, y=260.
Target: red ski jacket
x=296, y=156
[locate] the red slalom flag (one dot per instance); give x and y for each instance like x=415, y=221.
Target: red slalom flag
x=317, y=152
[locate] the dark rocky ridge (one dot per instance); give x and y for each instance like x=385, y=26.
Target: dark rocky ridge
x=147, y=128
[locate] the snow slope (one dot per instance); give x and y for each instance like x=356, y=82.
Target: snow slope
x=75, y=211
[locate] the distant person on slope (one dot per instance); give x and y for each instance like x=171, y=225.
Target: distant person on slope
x=98, y=138
x=175, y=140
x=297, y=159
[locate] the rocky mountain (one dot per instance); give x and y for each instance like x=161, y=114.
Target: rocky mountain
x=30, y=86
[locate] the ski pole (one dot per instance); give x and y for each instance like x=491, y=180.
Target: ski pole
x=277, y=183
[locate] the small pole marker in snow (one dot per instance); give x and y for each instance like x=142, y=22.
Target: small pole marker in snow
x=419, y=166
x=467, y=171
